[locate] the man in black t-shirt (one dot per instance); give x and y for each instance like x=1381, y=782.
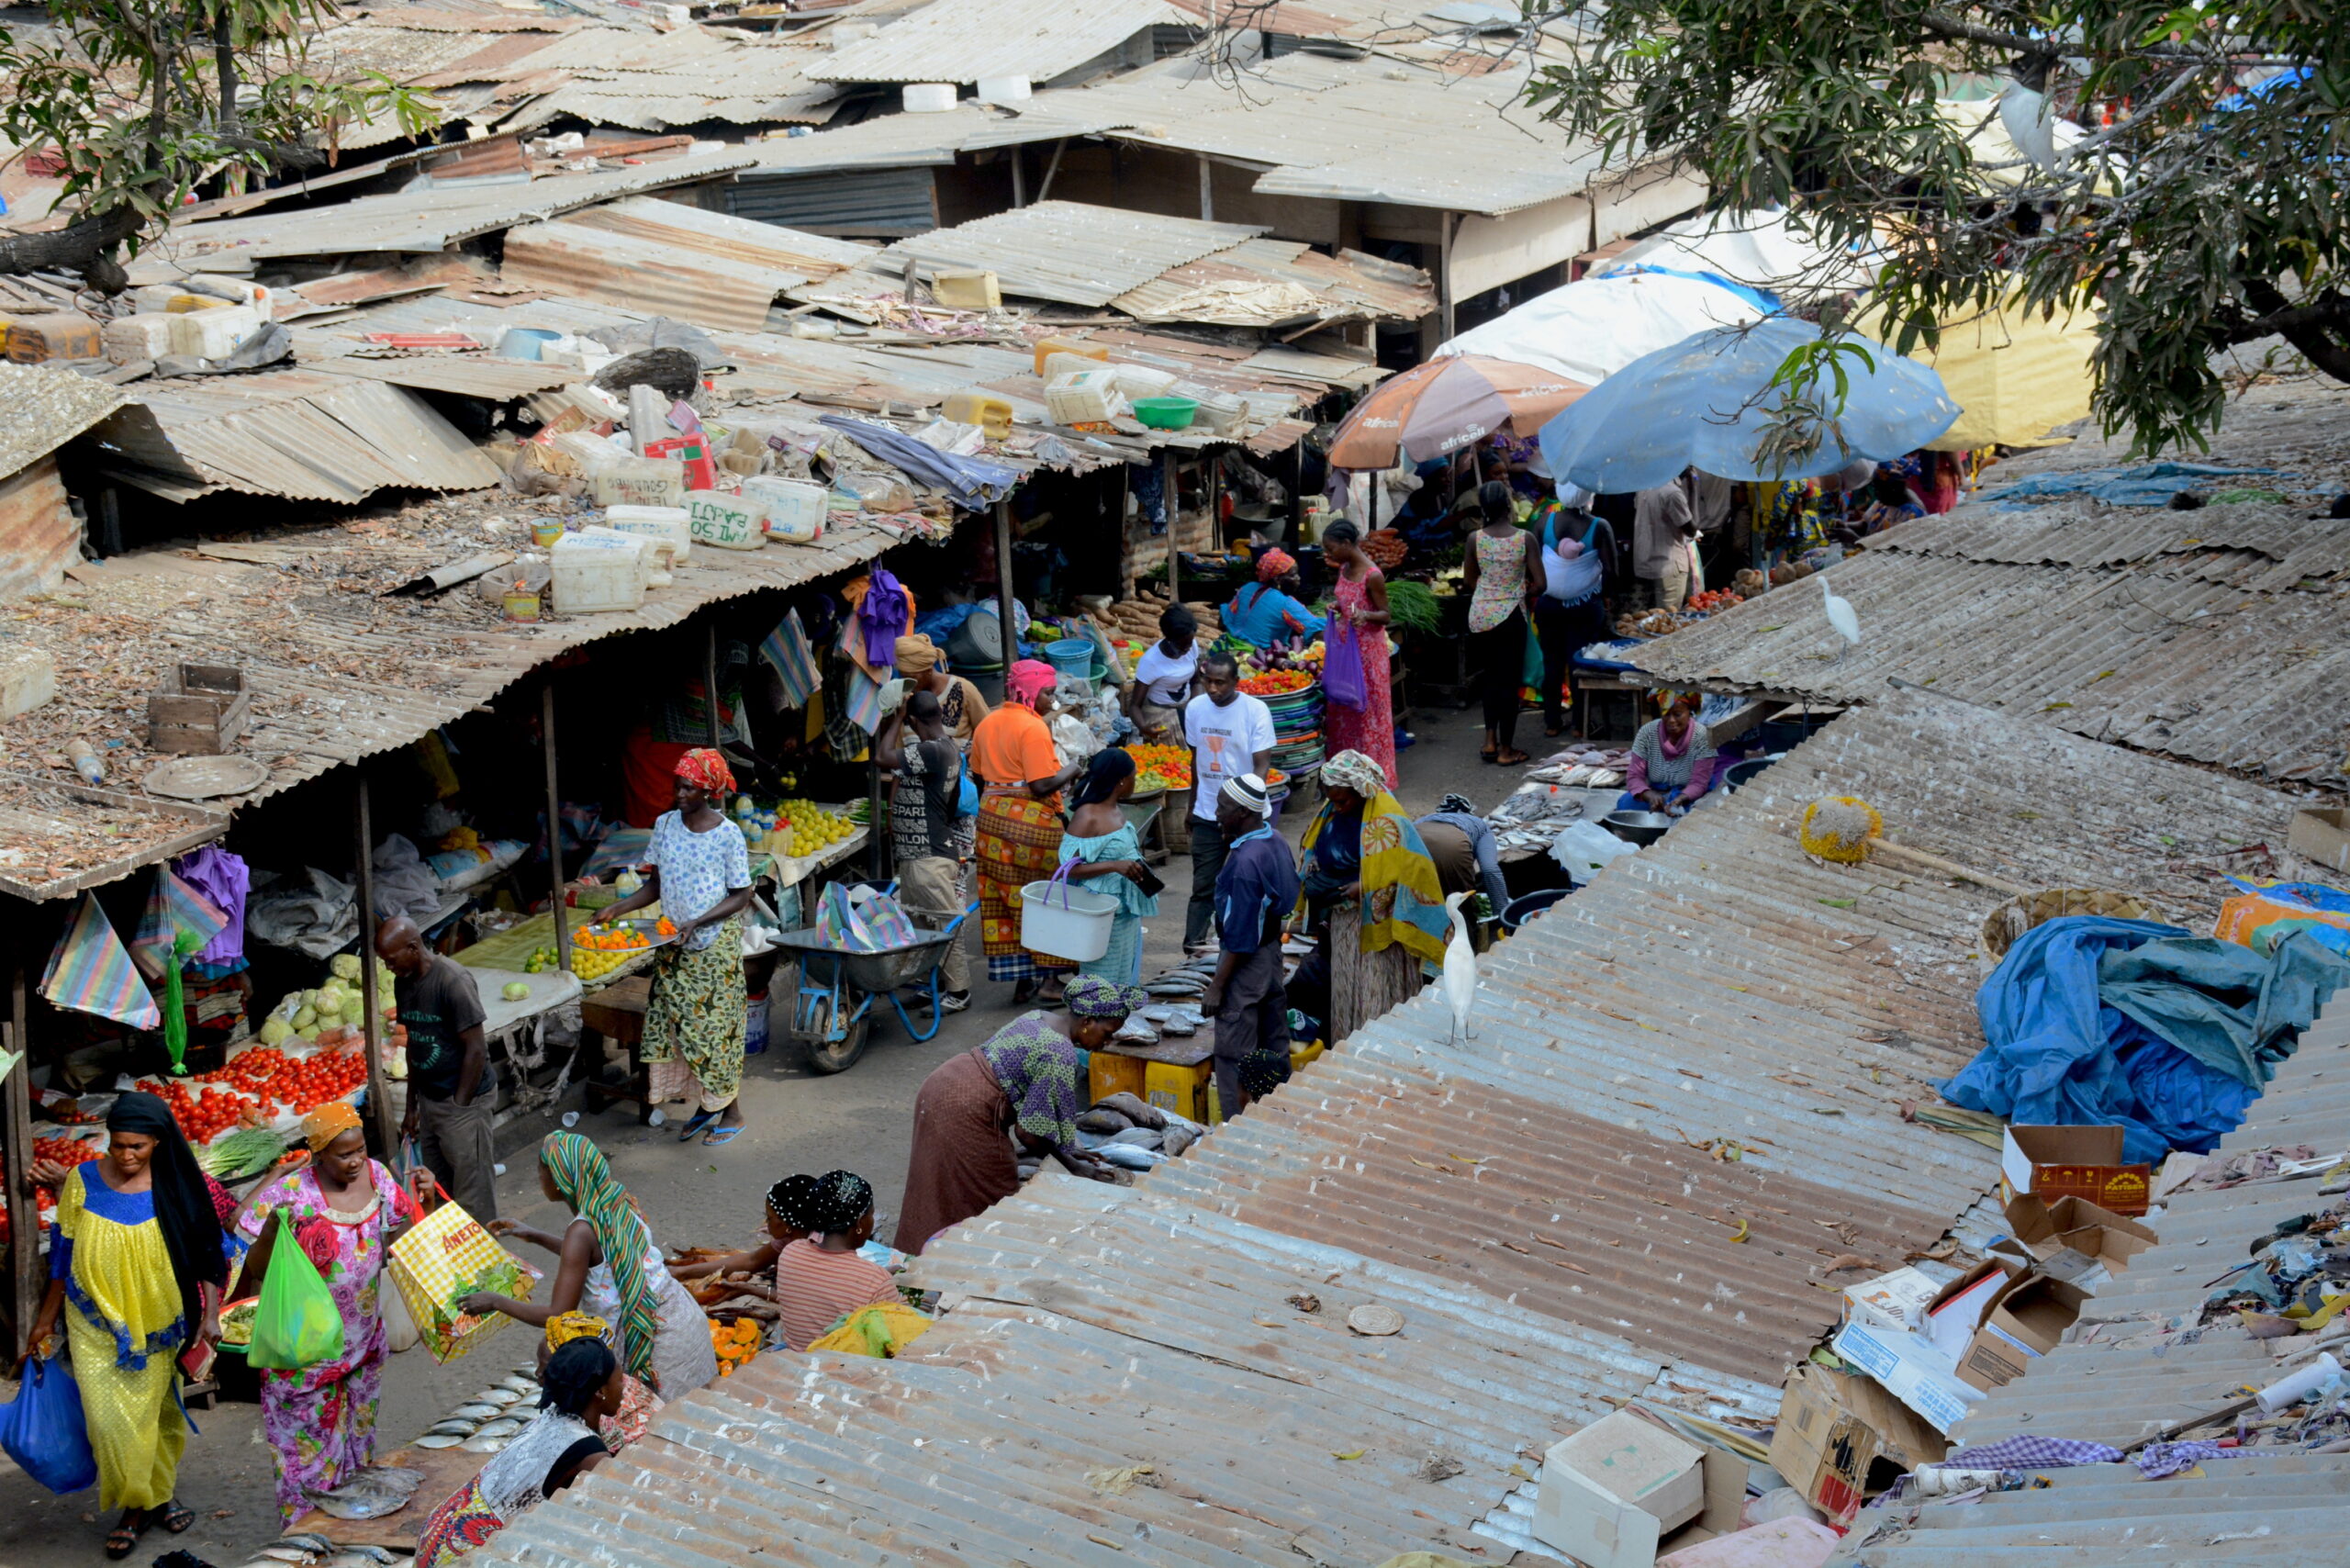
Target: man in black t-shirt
x=449, y=1080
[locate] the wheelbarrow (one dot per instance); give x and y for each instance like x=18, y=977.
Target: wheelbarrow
x=832, y=1009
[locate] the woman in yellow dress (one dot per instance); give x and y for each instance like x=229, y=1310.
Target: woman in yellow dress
x=137, y=1251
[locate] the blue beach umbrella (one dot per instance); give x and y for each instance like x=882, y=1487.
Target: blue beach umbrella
x=1707, y=401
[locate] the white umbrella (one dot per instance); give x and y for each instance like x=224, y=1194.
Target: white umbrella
x=1586, y=332
x=1755, y=249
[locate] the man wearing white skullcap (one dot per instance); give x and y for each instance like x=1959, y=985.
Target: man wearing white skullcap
x=1255, y=892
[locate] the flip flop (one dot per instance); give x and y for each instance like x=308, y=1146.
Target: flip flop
x=700, y=1120
x=718, y=1138
x=177, y=1517
x=123, y=1540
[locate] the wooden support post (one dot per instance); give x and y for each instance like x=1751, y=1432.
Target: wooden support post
x=554, y=829
x=1207, y=190
x=1003, y=597
x=1019, y=177
x=27, y=1273
x=709, y=687
x=1174, y=514
x=1051, y=169
x=379, y=1102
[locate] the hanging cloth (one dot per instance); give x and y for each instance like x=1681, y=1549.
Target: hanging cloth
x=794, y=658
x=866, y=641
x=174, y=910
x=91, y=971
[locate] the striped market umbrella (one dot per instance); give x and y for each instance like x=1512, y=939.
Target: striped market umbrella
x=1439, y=408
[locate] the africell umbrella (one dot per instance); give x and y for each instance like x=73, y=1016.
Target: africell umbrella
x=1439, y=408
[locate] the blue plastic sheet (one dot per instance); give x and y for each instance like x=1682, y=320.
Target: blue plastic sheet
x=2093, y=1021
x=971, y=483
x=2140, y=485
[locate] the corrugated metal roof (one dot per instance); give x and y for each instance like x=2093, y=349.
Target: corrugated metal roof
x=1268, y=282
x=336, y=674
x=2136, y=1363
x=888, y=141
x=1068, y=252
x=308, y=434
x=43, y=407
x=664, y=256
x=962, y=40
x=2265, y=548
x=467, y=375
x=58, y=837
x=2152, y=653
x=39, y=535
x=435, y=217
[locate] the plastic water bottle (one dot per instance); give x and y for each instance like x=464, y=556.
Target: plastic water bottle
x=86, y=761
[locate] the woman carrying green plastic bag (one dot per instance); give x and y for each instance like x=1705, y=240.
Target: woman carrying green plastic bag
x=297, y=1324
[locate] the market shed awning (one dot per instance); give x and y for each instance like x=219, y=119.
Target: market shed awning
x=2214, y=635
x=1551, y=1204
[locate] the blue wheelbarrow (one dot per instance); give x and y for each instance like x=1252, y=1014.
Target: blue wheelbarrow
x=832, y=1009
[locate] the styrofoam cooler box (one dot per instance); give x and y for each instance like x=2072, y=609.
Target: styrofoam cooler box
x=214, y=334
x=597, y=569
x=669, y=529
x=726, y=521
x=129, y=339
x=795, y=507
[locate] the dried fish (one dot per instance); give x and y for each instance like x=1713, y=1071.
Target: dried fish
x=305, y=1541
x=439, y=1440
x=453, y=1427
x=526, y=1387
x=506, y=1427
x=501, y=1398
x=476, y=1412
x=484, y=1445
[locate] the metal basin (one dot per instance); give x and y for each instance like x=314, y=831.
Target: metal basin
x=1642, y=828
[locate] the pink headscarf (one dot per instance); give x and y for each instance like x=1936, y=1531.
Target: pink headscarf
x=1029, y=678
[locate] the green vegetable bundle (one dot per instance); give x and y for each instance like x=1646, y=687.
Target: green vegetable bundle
x=240, y=1153
x=1412, y=606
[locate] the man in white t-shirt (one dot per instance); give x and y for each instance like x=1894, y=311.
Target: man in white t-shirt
x=1230, y=733
x=1163, y=678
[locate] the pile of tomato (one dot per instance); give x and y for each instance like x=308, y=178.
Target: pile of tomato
x=60, y=1150
x=308, y=1084
x=259, y=1085
x=1276, y=682
x=1716, y=598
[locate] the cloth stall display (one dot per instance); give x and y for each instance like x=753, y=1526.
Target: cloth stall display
x=91, y=971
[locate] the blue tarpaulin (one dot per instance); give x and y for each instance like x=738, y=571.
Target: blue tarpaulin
x=2093, y=1021
x=2140, y=485
x=971, y=483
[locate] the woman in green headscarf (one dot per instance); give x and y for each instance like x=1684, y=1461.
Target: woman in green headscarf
x=610, y=1267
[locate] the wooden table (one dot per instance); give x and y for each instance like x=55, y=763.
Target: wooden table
x=616, y=1014
x=445, y=1470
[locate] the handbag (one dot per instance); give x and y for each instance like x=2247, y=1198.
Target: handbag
x=44, y=1431
x=1343, y=681
x=444, y=1258
x=1568, y=579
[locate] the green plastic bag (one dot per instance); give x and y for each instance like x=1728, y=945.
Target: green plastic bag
x=297, y=1324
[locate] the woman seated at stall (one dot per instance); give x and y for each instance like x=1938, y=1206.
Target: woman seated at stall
x=580, y=1389
x=608, y=1266
x=1267, y=611
x=1673, y=759
x=1368, y=874
x=1029, y=1080
x=819, y=1279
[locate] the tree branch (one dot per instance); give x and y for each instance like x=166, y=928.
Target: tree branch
x=2315, y=328
x=85, y=247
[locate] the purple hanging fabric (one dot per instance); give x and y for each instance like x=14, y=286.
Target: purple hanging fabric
x=224, y=879
x=883, y=617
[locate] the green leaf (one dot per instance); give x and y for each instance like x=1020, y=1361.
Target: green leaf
x=1839, y=903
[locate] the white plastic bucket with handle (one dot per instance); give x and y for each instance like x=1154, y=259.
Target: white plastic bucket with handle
x=1064, y=921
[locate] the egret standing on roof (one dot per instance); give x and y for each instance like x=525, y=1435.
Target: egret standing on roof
x=1460, y=968
x=1840, y=615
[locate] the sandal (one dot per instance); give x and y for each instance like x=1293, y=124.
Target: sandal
x=718, y=1138
x=1022, y=991
x=177, y=1517
x=700, y=1120
x=1511, y=759
x=123, y=1540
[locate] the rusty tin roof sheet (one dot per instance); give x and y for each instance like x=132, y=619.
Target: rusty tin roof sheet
x=43, y=407
x=1070, y=252
x=666, y=257
x=2136, y=1363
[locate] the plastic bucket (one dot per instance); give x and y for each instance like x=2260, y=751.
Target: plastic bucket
x=1071, y=656
x=1520, y=911
x=1063, y=922
x=525, y=342
x=1737, y=775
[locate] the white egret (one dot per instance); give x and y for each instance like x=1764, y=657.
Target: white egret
x=1839, y=613
x=1460, y=968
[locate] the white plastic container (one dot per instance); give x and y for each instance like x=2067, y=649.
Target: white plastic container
x=929, y=97
x=596, y=570
x=1005, y=89
x=1139, y=380
x=726, y=521
x=639, y=482
x=1060, y=362
x=214, y=334
x=1082, y=396
x=665, y=526
x=234, y=291
x=795, y=507
x=1064, y=921
x=1221, y=412
x=129, y=339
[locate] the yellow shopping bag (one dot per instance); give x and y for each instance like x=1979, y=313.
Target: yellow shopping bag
x=444, y=1258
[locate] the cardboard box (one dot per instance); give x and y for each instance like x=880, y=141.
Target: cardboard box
x=1958, y=1308
x=2073, y=1163
x=2025, y=1324
x=1911, y=1370
x=1623, y=1489
x=1896, y=1302
x=2075, y=1240
x=2321, y=832
x=1840, y=1440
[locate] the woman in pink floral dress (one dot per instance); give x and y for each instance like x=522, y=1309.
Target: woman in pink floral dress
x=345, y=1210
x=1360, y=594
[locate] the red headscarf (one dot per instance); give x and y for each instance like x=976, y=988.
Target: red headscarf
x=704, y=769
x=1028, y=677
x=1275, y=565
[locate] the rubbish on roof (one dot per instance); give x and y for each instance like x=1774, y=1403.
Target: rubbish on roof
x=963, y=40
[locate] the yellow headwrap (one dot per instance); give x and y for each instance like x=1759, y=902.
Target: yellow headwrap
x=328, y=1122
x=915, y=655
x=565, y=1327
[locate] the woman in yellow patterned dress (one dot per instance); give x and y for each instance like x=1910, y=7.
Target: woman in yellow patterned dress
x=137, y=1251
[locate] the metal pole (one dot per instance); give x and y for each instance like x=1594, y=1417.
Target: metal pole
x=1019, y=180
x=27, y=1276
x=1207, y=191
x=554, y=829
x=1003, y=599
x=1174, y=513
x=378, y=1101
x=710, y=686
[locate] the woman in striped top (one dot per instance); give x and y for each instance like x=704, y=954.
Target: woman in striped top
x=819, y=1279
